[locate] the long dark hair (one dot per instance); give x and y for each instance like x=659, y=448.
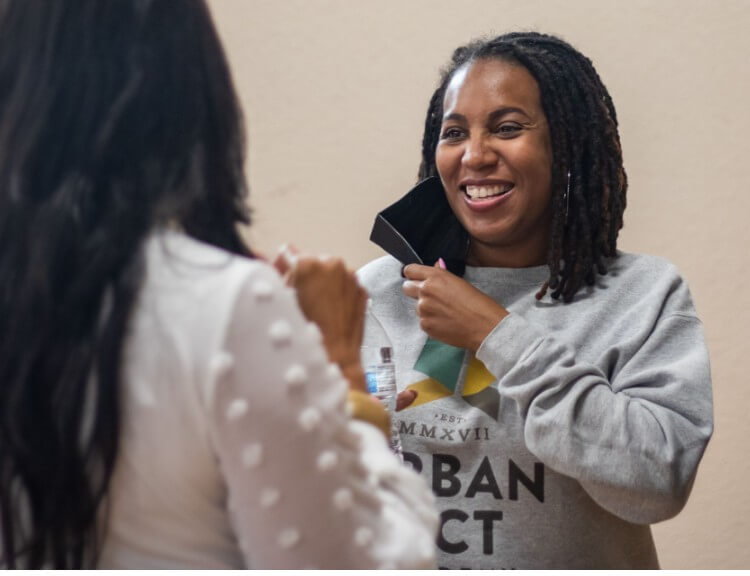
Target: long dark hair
x=588, y=177
x=115, y=117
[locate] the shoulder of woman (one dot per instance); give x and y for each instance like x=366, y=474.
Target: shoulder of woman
x=634, y=263
x=199, y=275
x=654, y=278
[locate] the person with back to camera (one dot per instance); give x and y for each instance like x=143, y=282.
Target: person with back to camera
x=561, y=397
x=164, y=403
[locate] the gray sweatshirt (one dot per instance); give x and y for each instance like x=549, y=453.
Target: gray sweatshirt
x=575, y=426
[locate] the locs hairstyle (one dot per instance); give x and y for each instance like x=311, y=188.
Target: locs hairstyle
x=588, y=178
x=115, y=117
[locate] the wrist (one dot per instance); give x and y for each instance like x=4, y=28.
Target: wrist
x=362, y=406
x=486, y=328
x=354, y=375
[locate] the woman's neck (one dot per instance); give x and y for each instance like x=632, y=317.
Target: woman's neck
x=488, y=256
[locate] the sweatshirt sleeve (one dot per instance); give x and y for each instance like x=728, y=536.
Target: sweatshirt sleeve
x=634, y=438
x=308, y=487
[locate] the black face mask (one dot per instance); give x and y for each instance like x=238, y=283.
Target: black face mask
x=421, y=227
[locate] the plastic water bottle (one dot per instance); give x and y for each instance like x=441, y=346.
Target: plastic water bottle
x=380, y=371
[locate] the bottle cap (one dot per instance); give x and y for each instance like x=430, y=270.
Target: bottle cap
x=385, y=354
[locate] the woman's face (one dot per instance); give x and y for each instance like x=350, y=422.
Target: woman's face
x=494, y=158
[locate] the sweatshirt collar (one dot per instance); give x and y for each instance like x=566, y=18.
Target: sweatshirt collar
x=517, y=276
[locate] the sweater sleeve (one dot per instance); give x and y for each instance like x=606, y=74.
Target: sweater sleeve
x=308, y=487
x=633, y=439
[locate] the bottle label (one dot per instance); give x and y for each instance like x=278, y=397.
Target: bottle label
x=372, y=380
x=381, y=379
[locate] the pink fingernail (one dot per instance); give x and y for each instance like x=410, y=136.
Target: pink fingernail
x=441, y=263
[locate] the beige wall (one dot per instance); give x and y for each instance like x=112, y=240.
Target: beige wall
x=335, y=92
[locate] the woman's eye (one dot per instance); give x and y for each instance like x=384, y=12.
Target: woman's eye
x=451, y=133
x=508, y=129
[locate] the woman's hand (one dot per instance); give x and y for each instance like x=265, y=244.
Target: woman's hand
x=329, y=295
x=405, y=399
x=449, y=308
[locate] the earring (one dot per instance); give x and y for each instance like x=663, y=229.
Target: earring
x=566, y=197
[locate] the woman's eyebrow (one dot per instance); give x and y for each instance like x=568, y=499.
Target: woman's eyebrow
x=455, y=116
x=505, y=110
x=494, y=115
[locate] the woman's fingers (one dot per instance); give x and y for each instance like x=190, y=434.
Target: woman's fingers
x=418, y=272
x=405, y=399
x=411, y=288
x=286, y=258
x=416, y=275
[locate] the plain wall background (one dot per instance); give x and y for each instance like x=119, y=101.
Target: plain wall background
x=335, y=92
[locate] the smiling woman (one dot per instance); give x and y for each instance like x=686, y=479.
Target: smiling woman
x=494, y=158
x=595, y=395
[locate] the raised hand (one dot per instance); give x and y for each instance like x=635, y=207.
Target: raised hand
x=449, y=308
x=329, y=294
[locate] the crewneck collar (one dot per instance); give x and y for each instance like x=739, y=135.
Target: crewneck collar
x=517, y=276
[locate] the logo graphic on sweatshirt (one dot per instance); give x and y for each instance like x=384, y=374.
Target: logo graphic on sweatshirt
x=442, y=364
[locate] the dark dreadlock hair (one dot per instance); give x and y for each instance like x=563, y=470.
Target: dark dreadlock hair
x=115, y=117
x=587, y=157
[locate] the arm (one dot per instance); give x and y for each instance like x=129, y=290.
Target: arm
x=633, y=439
x=329, y=295
x=633, y=442
x=308, y=487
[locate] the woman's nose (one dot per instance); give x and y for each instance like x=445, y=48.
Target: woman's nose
x=478, y=154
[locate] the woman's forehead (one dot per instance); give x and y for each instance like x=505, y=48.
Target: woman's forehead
x=491, y=83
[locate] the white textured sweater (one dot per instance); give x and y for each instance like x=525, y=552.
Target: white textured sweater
x=236, y=450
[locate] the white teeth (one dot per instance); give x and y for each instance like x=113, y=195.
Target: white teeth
x=485, y=191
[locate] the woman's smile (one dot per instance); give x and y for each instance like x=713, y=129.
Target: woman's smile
x=483, y=195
